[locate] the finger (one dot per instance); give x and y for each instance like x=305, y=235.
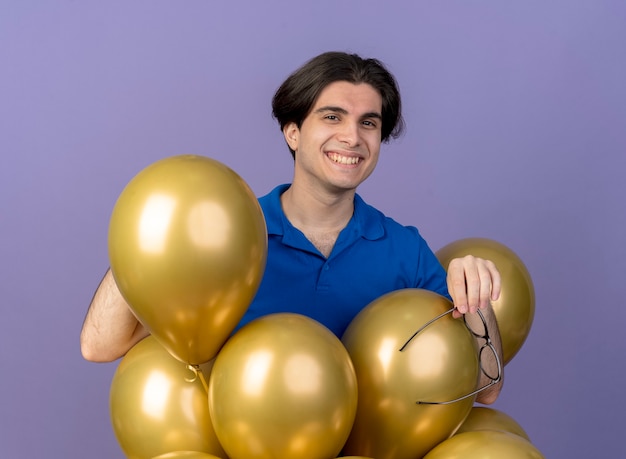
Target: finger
x=473, y=280
x=485, y=284
x=496, y=280
x=456, y=285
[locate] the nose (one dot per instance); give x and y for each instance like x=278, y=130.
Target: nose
x=349, y=134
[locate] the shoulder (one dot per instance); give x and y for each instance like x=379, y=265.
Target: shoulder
x=272, y=199
x=375, y=224
x=403, y=249
x=272, y=209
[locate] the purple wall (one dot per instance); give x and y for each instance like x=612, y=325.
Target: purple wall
x=516, y=117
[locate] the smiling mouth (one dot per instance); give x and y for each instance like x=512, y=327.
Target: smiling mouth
x=341, y=159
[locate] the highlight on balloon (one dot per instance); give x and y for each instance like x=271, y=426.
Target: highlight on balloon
x=486, y=352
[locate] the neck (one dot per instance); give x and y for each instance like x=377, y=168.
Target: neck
x=319, y=216
x=316, y=209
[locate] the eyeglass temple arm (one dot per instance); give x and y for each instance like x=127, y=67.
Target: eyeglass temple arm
x=423, y=327
x=477, y=391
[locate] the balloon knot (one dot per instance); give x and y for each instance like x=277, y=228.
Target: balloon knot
x=195, y=369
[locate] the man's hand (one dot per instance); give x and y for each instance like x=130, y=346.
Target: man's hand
x=472, y=284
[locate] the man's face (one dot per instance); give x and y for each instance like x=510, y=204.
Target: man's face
x=338, y=144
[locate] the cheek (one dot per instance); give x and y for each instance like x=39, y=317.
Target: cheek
x=373, y=162
x=373, y=145
x=316, y=139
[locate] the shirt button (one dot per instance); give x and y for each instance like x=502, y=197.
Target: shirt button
x=326, y=267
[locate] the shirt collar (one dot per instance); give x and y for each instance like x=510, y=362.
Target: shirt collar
x=366, y=220
x=273, y=211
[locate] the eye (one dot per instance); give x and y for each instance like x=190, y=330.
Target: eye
x=369, y=123
x=331, y=117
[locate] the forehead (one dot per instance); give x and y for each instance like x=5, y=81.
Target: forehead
x=354, y=98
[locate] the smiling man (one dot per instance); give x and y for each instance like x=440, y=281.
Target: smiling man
x=336, y=148
x=329, y=253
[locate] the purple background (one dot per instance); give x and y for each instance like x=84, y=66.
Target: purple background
x=516, y=116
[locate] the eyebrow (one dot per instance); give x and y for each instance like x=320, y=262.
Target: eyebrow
x=343, y=111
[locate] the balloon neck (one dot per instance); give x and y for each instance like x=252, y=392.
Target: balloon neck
x=197, y=374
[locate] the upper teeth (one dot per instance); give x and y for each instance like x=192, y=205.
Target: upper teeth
x=343, y=159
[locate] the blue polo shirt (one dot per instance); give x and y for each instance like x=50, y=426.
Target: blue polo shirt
x=372, y=256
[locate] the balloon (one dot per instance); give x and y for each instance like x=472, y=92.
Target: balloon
x=483, y=418
x=485, y=444
x=439, y=364
x=187, y=246
x=156, y=406
x=283, y=386
x=186, y=455
x=515, y=309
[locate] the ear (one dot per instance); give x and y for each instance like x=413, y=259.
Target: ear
x=292, y=135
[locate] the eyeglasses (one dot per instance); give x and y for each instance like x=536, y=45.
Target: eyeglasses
x=487, y=353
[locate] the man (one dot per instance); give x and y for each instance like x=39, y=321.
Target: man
x=329, y=253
